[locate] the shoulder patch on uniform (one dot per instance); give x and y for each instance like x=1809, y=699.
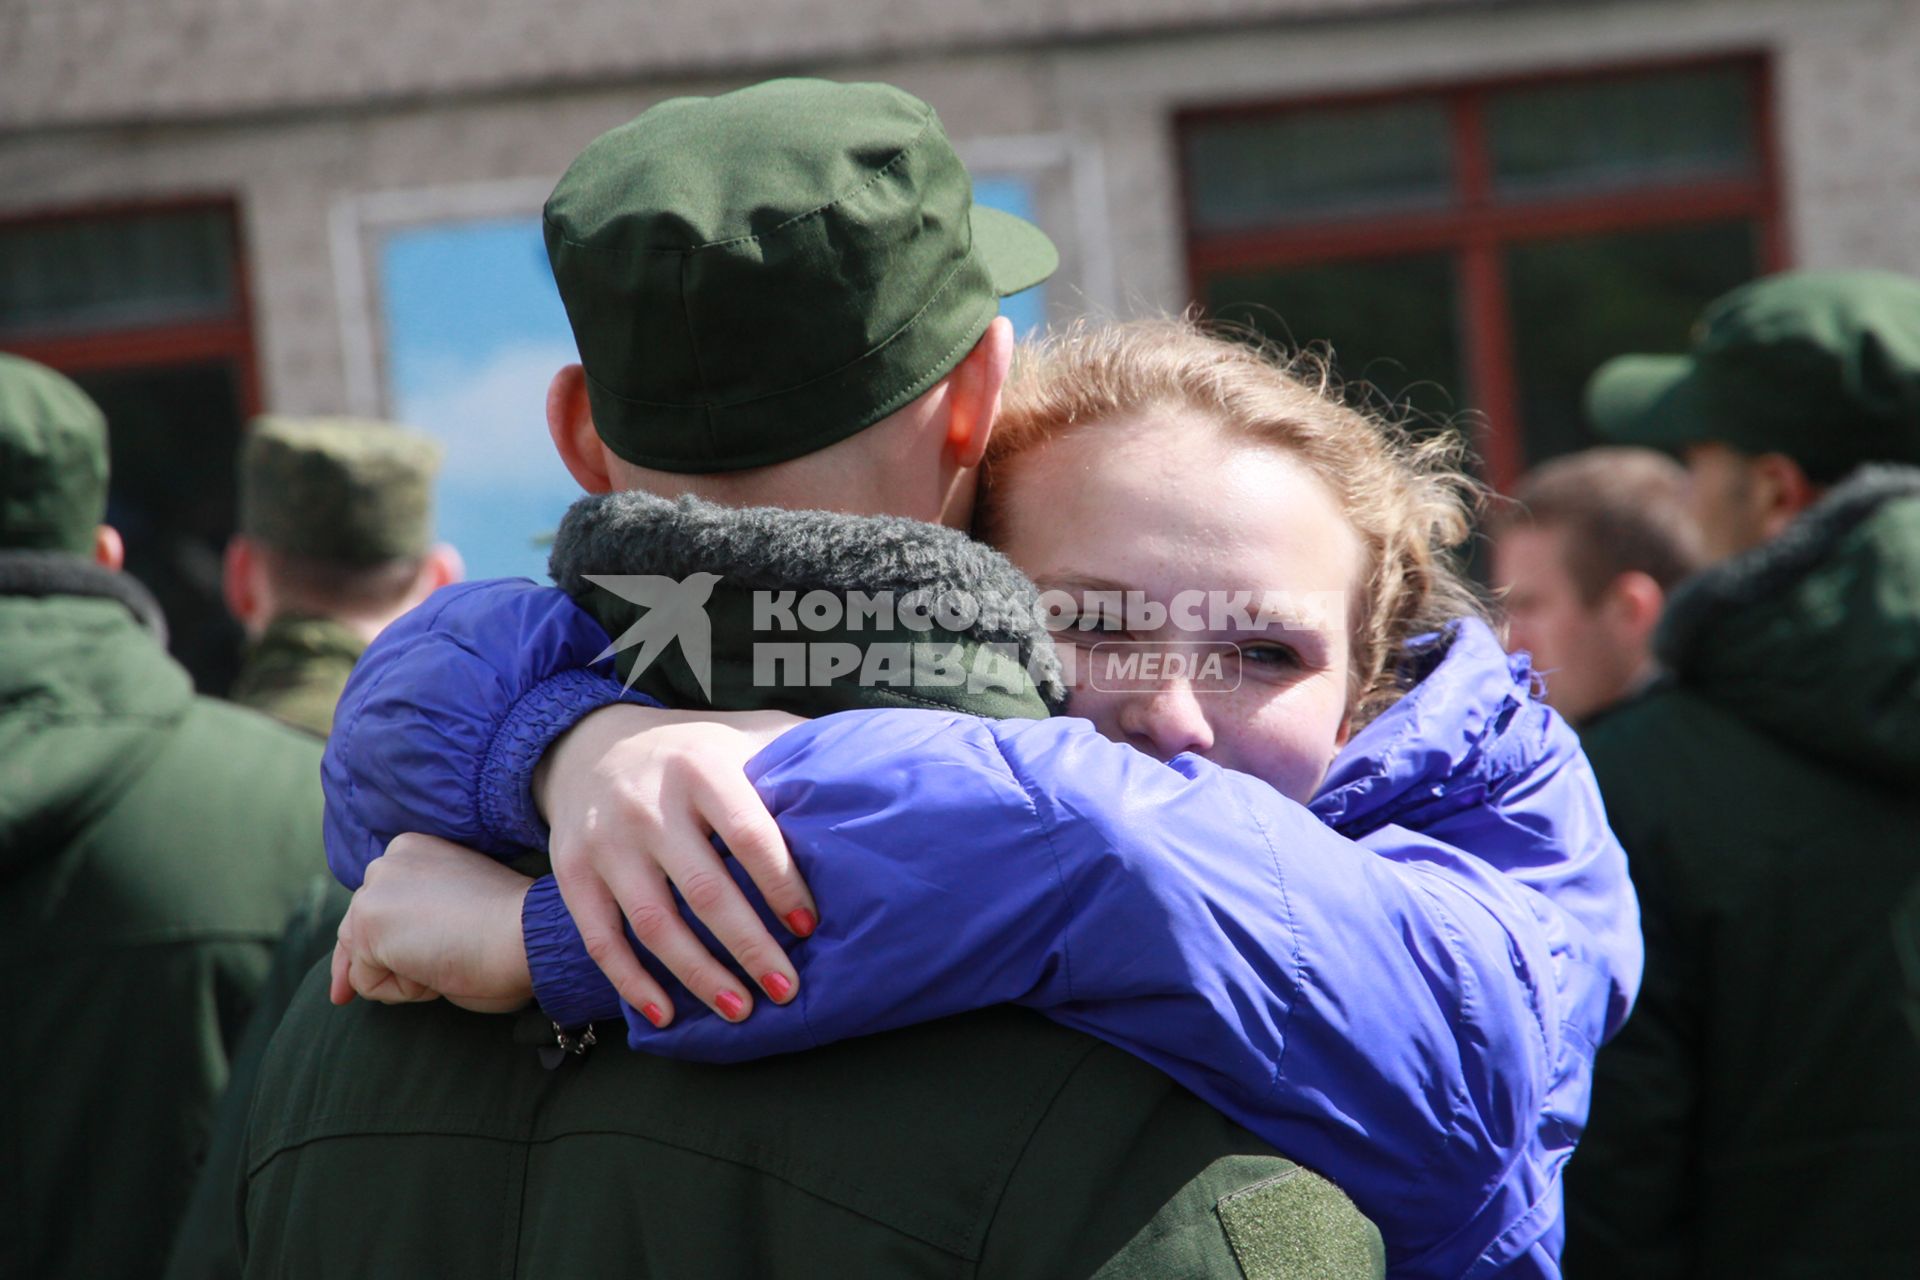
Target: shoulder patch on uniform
x=1298, y=1226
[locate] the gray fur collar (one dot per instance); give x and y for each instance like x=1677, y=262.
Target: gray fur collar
x=769, y=548
x=1768, y=570
x=62, y=573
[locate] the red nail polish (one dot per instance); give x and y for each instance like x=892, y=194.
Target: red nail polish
x=802, y=921
x=777, y=985
x=652, y=1014
x=731, y=1006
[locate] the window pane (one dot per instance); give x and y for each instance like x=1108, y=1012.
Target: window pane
x=474, y=330
x=1390, y=321
x=1249, y=172
x=1566, y=139
x=103, y=273
x=1577, y=303
x=174, y=437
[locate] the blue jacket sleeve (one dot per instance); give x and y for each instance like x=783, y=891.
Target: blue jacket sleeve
x=1381, y=1010
x=448, y=711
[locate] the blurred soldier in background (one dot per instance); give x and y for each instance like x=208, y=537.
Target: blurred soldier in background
x=1585, y=559
x=335, y=542
x=1760, y=1113
x=153, y=843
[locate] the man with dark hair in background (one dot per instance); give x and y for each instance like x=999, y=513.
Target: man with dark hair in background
x=153, y=843
x=1759, y=1115
x=1586, y=556
x=335, y=542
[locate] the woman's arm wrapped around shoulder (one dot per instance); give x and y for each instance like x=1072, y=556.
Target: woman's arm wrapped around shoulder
x=1384, y=1011
x=448, y=712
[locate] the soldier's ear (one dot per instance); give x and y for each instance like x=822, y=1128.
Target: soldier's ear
x=441, y=566
x=1780, y=491
x=1632, y=606
x=109, y=551
x=973, y=392
x=570, y=423
x=242, y=584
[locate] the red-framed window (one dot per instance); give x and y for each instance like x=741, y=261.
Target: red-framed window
x=1485, y=246
x=146, y=307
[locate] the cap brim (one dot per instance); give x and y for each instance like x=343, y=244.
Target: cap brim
x=1017, y=254
x=1647, y=400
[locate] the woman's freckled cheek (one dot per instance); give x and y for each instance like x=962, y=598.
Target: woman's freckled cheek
x=1285, y=738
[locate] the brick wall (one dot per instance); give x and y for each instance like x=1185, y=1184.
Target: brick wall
x=73, y=61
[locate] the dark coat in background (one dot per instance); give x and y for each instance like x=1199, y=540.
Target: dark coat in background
x=152, y=844
x=1760, y=1113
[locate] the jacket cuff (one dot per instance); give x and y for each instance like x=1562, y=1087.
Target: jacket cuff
x=567, y=984
x=532, y=724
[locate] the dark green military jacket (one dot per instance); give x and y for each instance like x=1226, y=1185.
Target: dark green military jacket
x=152, y=844
x=296, y=669
x=295, y=673
x=1906, y=943
x=1759, y=1115
x=423, y=1140
x=207, y=1245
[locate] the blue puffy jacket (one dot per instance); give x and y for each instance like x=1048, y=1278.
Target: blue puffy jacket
x=1402, y=984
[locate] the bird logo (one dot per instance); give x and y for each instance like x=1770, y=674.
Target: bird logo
x=674, y=609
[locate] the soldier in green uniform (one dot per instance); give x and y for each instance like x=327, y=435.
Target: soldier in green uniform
x=153, y=844
x=417, y=1140
x=335, y=542
x=1759, y=1115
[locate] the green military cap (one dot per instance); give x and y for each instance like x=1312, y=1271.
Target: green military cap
x=754, y=276
x=53, y=460
x=1823, y=366
x=338, y=488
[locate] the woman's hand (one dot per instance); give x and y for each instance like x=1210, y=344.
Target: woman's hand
x=633, y=795
x=434, y=919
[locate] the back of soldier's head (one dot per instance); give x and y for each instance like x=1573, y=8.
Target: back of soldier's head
x=340, y=509
x=1616, y=510
x=1820, y=366
x=756, y=277
x=53, y=461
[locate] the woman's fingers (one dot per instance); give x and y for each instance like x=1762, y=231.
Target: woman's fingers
x=355, y=971
x=631, y=822
x=739, y=817
x=339, y=985
x=374, y=981
x=716, y=899
x=657, y=925
x=600, y=912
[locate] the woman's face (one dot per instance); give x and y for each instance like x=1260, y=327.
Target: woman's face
x=1165, y=505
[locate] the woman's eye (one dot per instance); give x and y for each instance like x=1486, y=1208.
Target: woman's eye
x=1106, y=624
x=1269, y=655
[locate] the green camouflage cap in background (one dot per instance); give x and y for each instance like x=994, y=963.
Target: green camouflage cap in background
x=1823, y=366
x=53, y=461
x=339, y=489
x=755, y=276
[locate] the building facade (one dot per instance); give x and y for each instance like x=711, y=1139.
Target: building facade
x=212, y=207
